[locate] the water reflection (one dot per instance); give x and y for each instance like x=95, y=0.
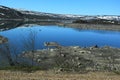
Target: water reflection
x=20, y=34
x=8, y=24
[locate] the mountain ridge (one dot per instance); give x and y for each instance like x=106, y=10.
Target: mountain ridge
x=11, y=13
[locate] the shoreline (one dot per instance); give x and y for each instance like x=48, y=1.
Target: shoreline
x=92, y=58
x=109, y=27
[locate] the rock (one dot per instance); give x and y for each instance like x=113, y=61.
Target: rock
x=77, y=58
x=37, y=55
x=3, y=40
x=82, y=52
x=51, y=50
x=94, y=47
x=39, y=60
x=63, y=55
x=76, y=47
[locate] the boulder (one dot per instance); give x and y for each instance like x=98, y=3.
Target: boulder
x=3, y=40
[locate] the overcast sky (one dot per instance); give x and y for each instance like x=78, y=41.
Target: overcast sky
x=82, y=7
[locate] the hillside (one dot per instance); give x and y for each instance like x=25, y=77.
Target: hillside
x=10, y=13
x=7, y=13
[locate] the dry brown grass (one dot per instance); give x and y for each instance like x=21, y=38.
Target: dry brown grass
x=48, y=75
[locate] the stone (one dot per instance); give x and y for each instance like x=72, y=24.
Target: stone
x=39, y=60
x=3, y=40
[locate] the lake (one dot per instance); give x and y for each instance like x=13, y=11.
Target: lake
x=21, y=37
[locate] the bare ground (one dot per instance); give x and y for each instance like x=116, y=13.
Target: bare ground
x=49, y=75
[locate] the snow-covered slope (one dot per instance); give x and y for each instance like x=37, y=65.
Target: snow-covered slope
x=109, y=17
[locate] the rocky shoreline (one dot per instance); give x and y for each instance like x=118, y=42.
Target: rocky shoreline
x=75, y=58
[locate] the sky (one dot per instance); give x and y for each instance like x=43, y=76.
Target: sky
x=81, y=7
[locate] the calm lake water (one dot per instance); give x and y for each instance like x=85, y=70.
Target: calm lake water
x=21, y=36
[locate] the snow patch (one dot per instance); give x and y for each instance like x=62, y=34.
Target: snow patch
x=3, y=7
x=70, y=15
x=2, y=14
x=2, y=23
x=109, y=17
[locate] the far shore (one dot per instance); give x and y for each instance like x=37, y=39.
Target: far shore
x=110, y=27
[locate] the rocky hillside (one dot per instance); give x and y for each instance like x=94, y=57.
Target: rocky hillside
x=10, y=13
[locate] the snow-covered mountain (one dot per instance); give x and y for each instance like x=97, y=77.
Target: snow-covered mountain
x=10, y=13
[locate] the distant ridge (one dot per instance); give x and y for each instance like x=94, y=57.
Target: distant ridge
x=7, y=13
